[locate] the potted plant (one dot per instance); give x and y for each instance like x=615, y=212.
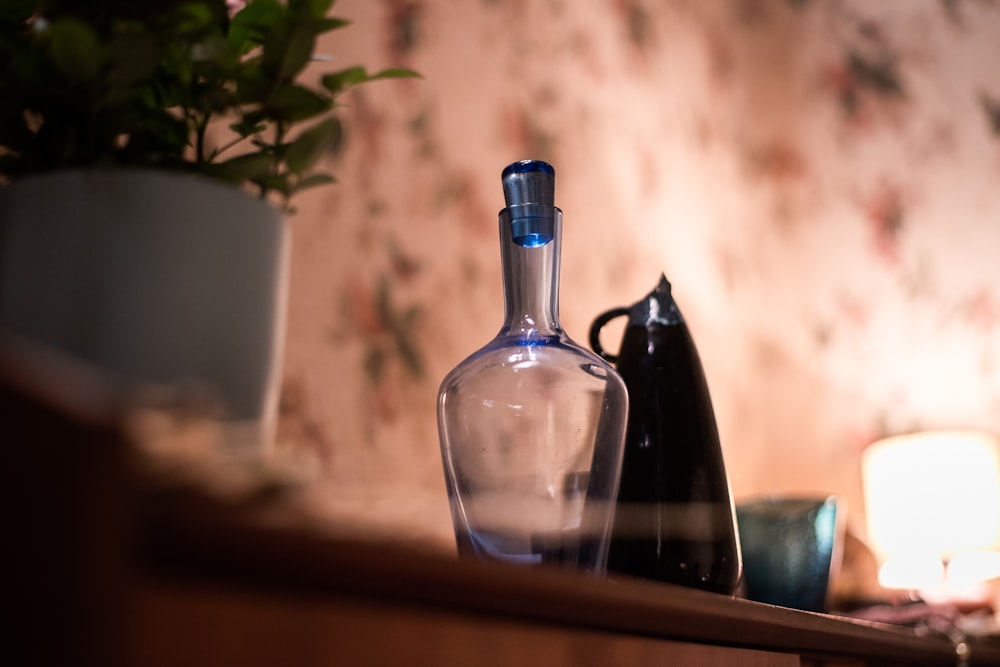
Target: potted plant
x=148, y=154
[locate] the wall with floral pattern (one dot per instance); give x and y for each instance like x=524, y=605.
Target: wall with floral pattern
x=819, y=179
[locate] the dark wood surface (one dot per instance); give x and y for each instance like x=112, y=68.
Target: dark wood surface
x=297, y=563
x=100, y=568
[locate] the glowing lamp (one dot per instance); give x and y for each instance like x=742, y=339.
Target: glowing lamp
x=933, y=509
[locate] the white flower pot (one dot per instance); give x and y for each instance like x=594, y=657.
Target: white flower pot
x=159, y=278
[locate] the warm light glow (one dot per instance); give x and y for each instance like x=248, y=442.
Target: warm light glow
x=916, y=572
x=934, y=498
x=968, y=568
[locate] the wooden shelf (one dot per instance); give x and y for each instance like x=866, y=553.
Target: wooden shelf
x=103, y=569
x=289, y=565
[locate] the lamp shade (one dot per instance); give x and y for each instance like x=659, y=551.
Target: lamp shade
x=931, y=498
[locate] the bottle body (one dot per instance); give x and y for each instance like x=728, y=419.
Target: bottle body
x=675, y=519
x=532, y=425
x=532, y=452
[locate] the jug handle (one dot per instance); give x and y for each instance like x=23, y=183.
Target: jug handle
x=595, y=332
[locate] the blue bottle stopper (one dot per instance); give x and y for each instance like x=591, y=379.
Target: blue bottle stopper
x=529, y=192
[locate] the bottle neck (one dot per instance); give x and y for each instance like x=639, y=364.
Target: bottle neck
x=530, y=255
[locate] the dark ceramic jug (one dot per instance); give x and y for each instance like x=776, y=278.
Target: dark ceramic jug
x=675, y=520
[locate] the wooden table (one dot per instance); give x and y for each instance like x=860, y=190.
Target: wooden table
x=101, y=569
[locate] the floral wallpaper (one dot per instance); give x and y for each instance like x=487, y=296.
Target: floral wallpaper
x=819, y=179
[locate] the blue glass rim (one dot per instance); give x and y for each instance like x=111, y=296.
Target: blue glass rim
x=531, y=225
x=527, y=167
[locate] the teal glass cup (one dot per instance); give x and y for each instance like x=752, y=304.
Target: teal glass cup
x=791, y=548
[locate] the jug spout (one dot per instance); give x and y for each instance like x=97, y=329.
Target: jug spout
x=658, y=307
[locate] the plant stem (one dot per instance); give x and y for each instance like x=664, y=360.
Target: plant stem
x=225, y=147
x=202, y=128
x=280, y=128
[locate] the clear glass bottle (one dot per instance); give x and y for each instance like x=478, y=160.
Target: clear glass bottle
x=532, y=425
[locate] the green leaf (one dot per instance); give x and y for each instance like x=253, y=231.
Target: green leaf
x=213, y=50
x=288, y=49
x=395, y=73
x=338, y=82
x=296, y=103
x=212, y=100
x=248, y=167
x=276, y=182
x=74, y=49
x=327, y=25
x=260, y=14
x=252, y=83
x=304, y=152
x=248, y=126
x=344, y=79
x=134, y=56
x=313, y=181
x=250, y=26
x=193, y=19
x=155, y=136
